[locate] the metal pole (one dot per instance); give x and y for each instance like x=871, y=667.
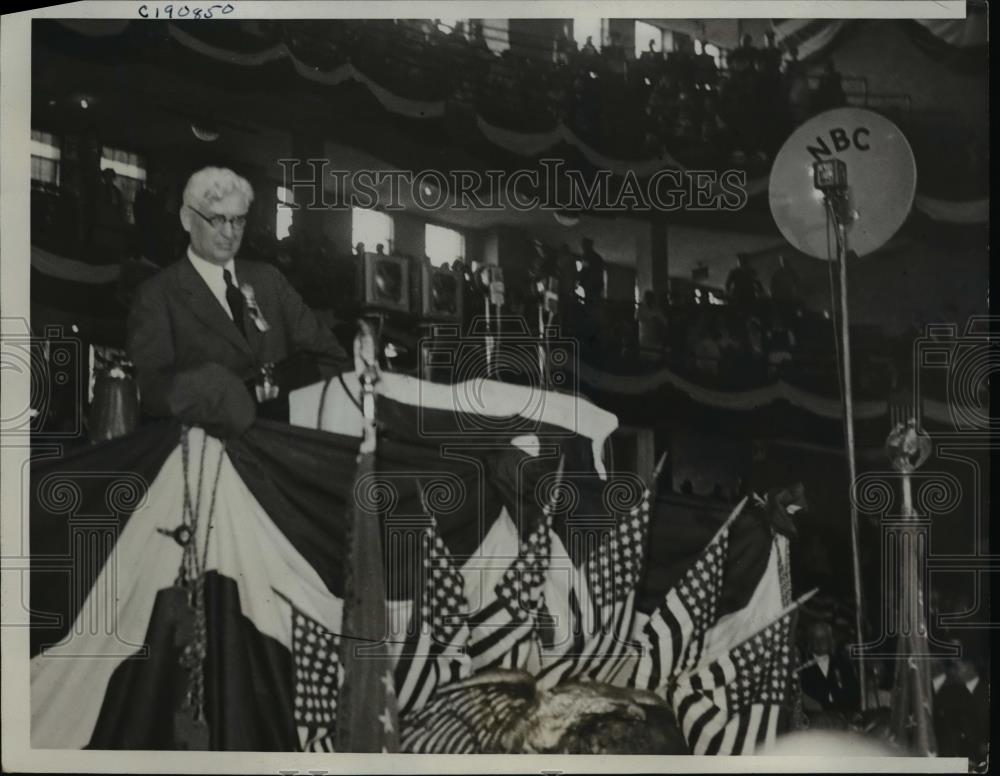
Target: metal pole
x=541, y=347
x=489, y=338
x=852, y=468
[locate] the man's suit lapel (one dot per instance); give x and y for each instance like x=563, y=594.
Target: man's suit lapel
x=255, y=337
x=206, y=308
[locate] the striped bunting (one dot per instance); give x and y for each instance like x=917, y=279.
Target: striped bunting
x=471, y=717
x=433, y=652
x=737, y=701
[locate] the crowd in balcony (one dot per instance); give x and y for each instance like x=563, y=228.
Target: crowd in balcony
x=736, y=337
x=739, y=103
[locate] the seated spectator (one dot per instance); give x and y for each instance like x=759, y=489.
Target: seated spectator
x=829, y=682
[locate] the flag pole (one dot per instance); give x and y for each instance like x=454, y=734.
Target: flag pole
x=367, y=715
x=913, y=698
x=783, y=613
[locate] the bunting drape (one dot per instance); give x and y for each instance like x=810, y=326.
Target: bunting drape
x=812, y=37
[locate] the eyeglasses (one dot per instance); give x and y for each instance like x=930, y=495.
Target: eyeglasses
x=218, y=221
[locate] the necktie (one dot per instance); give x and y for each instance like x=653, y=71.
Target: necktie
x=234, y=298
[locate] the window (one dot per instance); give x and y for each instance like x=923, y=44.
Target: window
x=443, y=245
x=713, y=51
x=643, y=34
x=447, y=24
x=285, y=209
x=588, y=27
x=45, y=157
x=371, y=227
x=496, y=33
x=131, y=171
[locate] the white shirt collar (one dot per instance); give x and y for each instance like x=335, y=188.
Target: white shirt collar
x=972, y=683
x=212, y=275
x=823, y=661
x=204, y=266
x=939, y=680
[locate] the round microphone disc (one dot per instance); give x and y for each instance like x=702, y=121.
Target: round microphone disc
x=881, y=181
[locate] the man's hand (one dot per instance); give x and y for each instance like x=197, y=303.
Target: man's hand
x=212, y=397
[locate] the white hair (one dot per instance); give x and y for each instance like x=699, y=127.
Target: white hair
x=210, y=184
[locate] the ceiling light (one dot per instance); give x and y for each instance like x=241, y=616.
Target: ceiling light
x=205, y=134
x=564, y=218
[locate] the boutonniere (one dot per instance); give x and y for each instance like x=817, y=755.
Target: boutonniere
x=255, y=314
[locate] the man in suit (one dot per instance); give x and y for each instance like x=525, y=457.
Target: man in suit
x=828, y=679
x=962, y=709
x=202, y=329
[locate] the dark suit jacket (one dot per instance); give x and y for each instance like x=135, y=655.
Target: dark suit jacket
x=962, y=720
x=838, y=690
x=192, y=362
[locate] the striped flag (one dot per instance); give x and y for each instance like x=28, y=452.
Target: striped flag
x=598, y=603
x=433, y=652
x=673, y=637
x=734, y=702
x=503, y=632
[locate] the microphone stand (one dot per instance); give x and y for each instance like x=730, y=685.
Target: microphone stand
x=837, y=203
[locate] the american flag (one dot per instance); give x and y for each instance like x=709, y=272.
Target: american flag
x=503, y=632
x=673, y=637
x=316, y=668
x=471, y=717
x=433, y=652
x=601, y=605
x=730, y=704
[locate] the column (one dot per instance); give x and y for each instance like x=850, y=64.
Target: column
x=652, y=258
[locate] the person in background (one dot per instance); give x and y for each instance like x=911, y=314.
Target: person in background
x=150, y=211
x=743, y=289
x=592, y=276
x=785, y=293
x=830, y=90
x=796, y=86
x=962, y=709
x=110, y=217
x=652, y=326
x=828, y=678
